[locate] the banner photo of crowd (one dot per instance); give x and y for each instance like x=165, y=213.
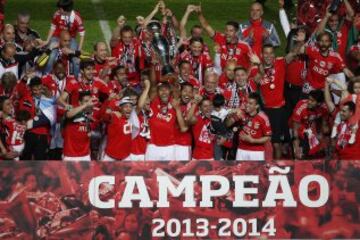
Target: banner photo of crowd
x=178, y=200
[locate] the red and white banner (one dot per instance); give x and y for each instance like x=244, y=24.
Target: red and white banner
x=177, y=200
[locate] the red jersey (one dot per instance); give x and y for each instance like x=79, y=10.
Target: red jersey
x=73, y=24
x=296, y=72
x=346, y=150
x=321, y=67
x=139, y=143
x=76, y=134
x=257, y=127
x=239, y=51
x=162, y=122
x=114, y=86
x=199, y=64
x=118, y=145
x=14, y=132
x=97, y=88
x=204, y=140
x=183, y=138
x=132, y=57
x=307, y=117
x=272, y=85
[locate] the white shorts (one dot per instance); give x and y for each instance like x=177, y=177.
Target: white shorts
x=160, y=153
x=107, y=158
x=135, y=157
x=84, y=158
x=246, y=155
x=182, y=153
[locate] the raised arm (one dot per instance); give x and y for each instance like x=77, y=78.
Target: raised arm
x=152, y=14
x=327, y=95
x=322, y=25
x=350, y=14
x=75, y=111
x=184, y=20
x=191, y=119
x=121, y=21
x=144, y=95
x=179, y=116
x=204, y=23
x=284, y=20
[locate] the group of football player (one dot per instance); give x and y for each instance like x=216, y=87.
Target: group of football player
x=157, y=92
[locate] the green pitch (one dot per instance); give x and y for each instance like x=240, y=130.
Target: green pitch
x=216, y=11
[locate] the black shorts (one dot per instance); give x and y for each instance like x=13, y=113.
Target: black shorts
x=278, y=122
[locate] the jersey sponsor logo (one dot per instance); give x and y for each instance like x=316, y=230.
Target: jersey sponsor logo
x=166, y=117
x=321, y=71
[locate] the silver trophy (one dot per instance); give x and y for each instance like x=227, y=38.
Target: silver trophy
x=161, y=47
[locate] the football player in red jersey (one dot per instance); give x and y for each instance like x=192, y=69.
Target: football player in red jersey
x=231, y=47
x=87, y=82
x=347, y=150
x=308, y=116
x=271, y=80
x=183, y=140
x=255, y=131
x=13, y=129
x=200, y=121
x=165, y=114
x=322, y=62
x=80, y=121
x=119, y=130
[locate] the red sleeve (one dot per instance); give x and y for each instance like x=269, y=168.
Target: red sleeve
x=266, y=127
x=55, y=19
x=310, y=51
x=207, y=61
x=79, y=23
x=104, y=88
x=339, y=64
x=298, y=111
x=219, y=38
x=70, y=86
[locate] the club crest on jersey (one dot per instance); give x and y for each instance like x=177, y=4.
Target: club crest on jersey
x=322, y=64
x=95, y=90
x=256, y=126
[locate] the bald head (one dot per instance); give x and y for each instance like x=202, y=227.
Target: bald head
x=256, y=11
x=100, y=51
x=65, y=39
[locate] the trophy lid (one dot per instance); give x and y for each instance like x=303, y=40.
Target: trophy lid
x=154, y=26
